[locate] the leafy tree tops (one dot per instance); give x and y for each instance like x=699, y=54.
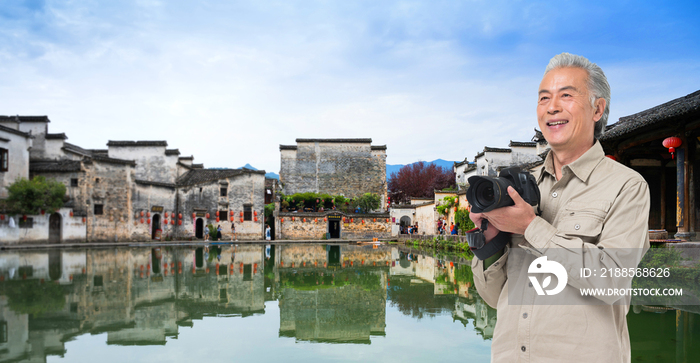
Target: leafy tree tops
x=32, y=196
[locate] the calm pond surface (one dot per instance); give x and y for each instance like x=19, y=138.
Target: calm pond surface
x=259, y=303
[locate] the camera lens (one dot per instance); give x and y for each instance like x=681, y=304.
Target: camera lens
x=484, y=193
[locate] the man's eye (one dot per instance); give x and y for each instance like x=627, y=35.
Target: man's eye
x=566, y=95
x=544, y=98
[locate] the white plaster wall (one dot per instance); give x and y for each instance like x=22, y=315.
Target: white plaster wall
x=72, y=229
x=396, y=215
x=496, y=160
x=522, y=155
x=426, y=216
x=151, y=162
x=18, y=165
x=52, y=149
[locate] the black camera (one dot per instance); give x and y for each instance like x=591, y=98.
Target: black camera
x=487, y=193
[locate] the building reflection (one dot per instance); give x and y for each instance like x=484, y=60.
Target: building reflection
x=143, y=296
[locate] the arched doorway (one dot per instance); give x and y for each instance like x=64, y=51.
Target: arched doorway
x=405, y=221
x=55, y=228
x=199, y=228
x=156, y=225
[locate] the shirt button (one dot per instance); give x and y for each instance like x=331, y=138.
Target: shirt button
x=554, y=194
x=524, y=315
x=577, y=227
x=523, y=348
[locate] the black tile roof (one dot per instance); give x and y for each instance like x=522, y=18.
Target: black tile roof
x=37, y=166
x=75, y=149
x=197, y=166
x=362, y=141
x=186, y=157
x=154, y=183
x=456, y=164
x=136, y=143
x=172, y=151
x=497, y=150
x=675, y=110
x=109, y=160
x=378, y=147
x=522, y=143
x=13, y=131
x=538, y=137
x=26, y=118
x=103, y=152
x=56, y=136
x=198, y=176
x=288, y=147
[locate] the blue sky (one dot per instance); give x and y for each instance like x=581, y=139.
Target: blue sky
x=229, y=81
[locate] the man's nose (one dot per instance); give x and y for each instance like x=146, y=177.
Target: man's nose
x=554, y=106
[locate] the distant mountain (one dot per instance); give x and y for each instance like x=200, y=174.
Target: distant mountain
x=439, y=162
x=269, y=175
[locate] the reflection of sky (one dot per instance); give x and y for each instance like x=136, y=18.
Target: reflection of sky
x=256, y=339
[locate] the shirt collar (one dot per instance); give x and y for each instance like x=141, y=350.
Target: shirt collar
x=581, y=167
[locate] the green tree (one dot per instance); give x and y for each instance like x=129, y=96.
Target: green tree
x=462, y=220
x=31, y=196
x=368, y=202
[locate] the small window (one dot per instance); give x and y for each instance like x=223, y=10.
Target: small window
x=98, y=209
x=74, y=182
x=97, y=180
x=4, y=159
x=97, y=281
x=28, y=223
x=223, y=215
x=223, y=191
x=247, y=213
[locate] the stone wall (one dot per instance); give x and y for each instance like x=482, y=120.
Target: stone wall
x=312, y=226
x=110, y=185
x=334, y=166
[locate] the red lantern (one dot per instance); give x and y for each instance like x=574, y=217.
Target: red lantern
x=325, y=219
x=71, y=213
x=282, y=220
x=315, y=220
x=83, y=219
x=2, y=216
x=172, y=222
x=148, y=221
x=43, y=212
x=352, y=220
x=374, y=220
x=179, y=223
x=241, y=214
x=217, y=219
x=166, y=214
x=179, y=215
x=165, y=221
x=194, y=215
x=256, y=219
x=207, y=215
x=24, y=217
x=255, y=213
x=672, y=143
x=292, y=219
x=304, y=220
x=231, y=213
x=363, y=221
x=141, y=220
x=241, y=219
x=148, y=214
x=141, y=213
x=217, y=213
x=231, y=219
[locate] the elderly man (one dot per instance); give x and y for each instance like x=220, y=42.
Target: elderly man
x=593, y=214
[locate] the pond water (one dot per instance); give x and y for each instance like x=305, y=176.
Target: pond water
x=258, y=303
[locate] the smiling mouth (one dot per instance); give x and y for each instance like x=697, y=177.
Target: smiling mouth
x=555, y=123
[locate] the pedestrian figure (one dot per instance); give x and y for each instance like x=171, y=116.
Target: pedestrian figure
x=267, y=233
x=233, y=231
x=218, y=232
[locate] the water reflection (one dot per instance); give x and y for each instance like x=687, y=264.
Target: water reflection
x=325, y=293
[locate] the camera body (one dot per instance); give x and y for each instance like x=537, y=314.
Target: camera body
x=487, y=193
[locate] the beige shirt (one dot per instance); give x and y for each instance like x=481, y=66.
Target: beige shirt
x=595, y=217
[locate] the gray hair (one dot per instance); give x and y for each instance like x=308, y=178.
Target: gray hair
x=598, y=86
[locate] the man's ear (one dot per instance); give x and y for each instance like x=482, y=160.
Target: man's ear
x=599, y=106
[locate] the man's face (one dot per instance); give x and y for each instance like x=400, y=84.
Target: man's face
x=564, y=110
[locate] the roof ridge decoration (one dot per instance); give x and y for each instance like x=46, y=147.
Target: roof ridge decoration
x=58, y=136
x=142, y=143
x=172, y=151
x=497, y=150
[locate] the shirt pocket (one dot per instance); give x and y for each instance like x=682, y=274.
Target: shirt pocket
x=584, y=219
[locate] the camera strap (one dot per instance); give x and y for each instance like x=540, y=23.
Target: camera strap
x=477, y=242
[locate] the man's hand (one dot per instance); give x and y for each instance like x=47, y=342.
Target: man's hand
x=491, y=231
x=514, y=219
